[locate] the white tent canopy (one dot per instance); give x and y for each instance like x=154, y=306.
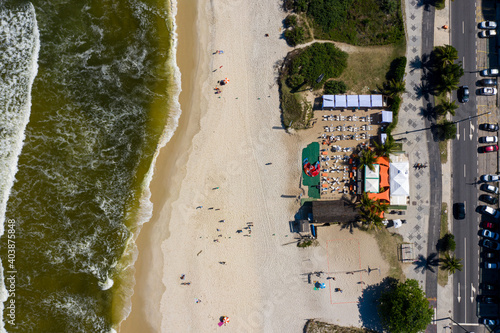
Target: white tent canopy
x=352, y=101
x=364, y=101
x=328, y=101
x=372, y=179
x=377, y=101
x=340, y=101
x=386, y=116
x=399, y=179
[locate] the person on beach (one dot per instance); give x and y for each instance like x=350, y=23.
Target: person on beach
x=199, y=207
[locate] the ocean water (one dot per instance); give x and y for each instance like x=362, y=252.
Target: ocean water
x=88, y=94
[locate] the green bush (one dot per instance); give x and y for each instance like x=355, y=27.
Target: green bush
x=295, y=36
x=317, y=59
x=335, y=87
x=447, y=243
x=295, y=81
x=290, y=21
x=394, y=107
x=397, y=69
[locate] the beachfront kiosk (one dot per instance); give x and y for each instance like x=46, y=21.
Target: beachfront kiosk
x=353, y=102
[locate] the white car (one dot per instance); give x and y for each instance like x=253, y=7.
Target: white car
x=490, y=178
x=489, y=234
x=488, y=139
x=490, y=211
x=488, y=91
x=487, y=33
x=488, y=25
x=489, y=72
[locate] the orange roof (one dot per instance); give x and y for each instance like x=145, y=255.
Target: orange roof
x=384, y=176
x=382, y=161
x=380, y=196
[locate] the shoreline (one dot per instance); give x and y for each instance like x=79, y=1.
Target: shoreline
x=145, y=315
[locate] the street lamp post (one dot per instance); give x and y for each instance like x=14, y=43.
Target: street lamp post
x=454, y=122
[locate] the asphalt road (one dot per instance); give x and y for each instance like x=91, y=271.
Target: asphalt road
x=465, y=161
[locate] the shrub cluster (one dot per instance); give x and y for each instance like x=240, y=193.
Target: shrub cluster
x=397, y=69
x=318, y=59
x=334, y=88
x=294, y=34
x=358, y=22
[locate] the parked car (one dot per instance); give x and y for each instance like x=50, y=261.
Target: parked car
x=490, y=211
x=487, y=91
x=486, y=286
x=488, y=139
x=459, y=210
x=488, y=199
x=489, y=225
x=486, y=299
x=490, y=255
x=491, y=265
x=490, y=321
x=487, y=33
x=488, y=149
x=489, y=127
x=488, y=25
x=489, y=72
x=463, y=94
x=489, y=188
x=489, y=234
x=488, y=82
x=490, y=178
x=489, y=244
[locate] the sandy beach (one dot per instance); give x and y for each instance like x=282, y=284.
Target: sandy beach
x=224, y=193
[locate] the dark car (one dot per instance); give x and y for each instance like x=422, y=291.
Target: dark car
x=489, y=244
x=488, y=199
x=490, y=255
x=459, y=210
x=488, y=82
x=486, y=299
x=486, y=286
x=489, y=149
x=489, y=127
x=489, y=321
x=463, y=94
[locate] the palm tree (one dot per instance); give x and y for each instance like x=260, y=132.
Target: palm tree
x=445, y=55
x=386, y=148
x=393, y=87
x=451, y=263
x=365, y=203
x=379, y=207
x=371, y=220
x=448, y=83
x=445, y=107
x=447, y=129
x=368, y=158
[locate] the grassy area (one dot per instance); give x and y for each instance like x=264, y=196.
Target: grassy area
x=367, y=67
x=388, y=246
x=313, y=326
x=295, y=110
x=443, y=151
x=442, y=274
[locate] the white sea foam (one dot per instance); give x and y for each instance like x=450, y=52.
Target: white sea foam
x=146, y=206
x=19, y=47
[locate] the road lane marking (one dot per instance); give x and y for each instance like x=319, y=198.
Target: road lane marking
x=465, y=270
x=464, y=171
x=472, y=291
x=463, y=27
x=458, y=297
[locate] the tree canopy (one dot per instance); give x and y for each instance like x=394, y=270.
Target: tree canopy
x=404, y=308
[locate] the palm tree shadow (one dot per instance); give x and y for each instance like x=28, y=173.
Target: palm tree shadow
x=426, y=264
x=428, y=112
x=416, y=63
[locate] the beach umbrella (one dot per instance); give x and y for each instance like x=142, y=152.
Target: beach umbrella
x=225, y=320
x=226, y=80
